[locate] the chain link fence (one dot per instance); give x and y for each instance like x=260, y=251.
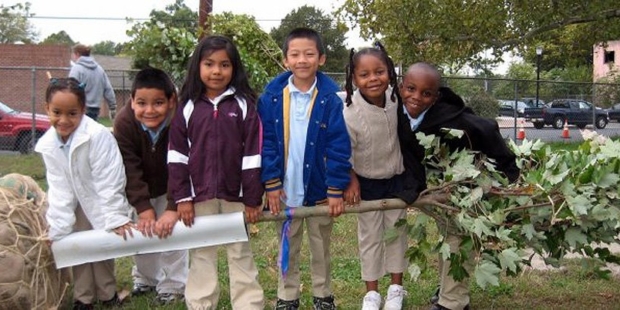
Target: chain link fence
x=509, y=100
x=23, y=118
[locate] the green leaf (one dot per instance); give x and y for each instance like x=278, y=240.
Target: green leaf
x=444, y=251
x=528, y=230
x=479, y=226
x=453, y=133
x=391, y=234
x=609, y=179
x=509, y=258
x=579, y=205
x=414, y=272
x=575, y=237
x=424, y=140
x=487, y=273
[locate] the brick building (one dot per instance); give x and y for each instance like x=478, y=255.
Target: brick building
x=606, y=60
x=24, y=67
x=23, y=73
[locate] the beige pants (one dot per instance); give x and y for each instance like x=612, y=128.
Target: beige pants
x=92, y=281
x=378, y=257
x=452, y=294
x=319, y=234
x=202, y=289
x=167, y=271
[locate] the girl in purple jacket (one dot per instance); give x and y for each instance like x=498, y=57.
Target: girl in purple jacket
x=214, y=167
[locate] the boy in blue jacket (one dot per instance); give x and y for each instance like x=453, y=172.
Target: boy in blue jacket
x=306, y=151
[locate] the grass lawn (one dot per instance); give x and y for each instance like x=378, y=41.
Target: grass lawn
x=574, y=287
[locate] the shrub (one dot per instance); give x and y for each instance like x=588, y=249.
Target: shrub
x=483, y=104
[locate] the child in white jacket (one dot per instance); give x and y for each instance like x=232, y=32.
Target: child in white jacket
x=86, y=185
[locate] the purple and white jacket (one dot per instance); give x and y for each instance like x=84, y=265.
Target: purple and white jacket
x=214, y=151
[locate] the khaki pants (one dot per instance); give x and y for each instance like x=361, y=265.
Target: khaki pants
x=452, y=294
x=377, y=256
x=202, y=289
x=167, y=271
x=92, y=281
x=319, y=234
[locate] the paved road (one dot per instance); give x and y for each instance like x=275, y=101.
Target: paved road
x=550, y=134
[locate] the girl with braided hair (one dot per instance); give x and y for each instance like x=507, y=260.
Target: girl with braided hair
x=86, y=186
x=377, y=173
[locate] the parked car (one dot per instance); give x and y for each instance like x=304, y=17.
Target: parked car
x=16, y=129
x=507, y=108
x=573, y=111
x=614, y=113
x=531, y=102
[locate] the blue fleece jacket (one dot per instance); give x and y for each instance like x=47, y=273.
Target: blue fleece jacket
x=327, y=151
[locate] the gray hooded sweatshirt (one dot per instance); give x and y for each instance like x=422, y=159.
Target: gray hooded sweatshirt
x=88, y=71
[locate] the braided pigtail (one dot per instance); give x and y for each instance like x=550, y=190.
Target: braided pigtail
x=349, y=78
x=391, y=71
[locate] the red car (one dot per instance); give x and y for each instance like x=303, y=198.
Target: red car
x=17, y=132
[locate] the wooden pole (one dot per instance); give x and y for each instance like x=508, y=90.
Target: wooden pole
x=364, y=206
x=205, y=9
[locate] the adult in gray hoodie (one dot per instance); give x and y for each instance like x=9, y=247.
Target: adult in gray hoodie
x=97, y=84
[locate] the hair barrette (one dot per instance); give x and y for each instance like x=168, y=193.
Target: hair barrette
x=82, y=85
x=53, y=81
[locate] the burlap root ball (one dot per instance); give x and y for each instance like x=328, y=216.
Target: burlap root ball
x=29, y=278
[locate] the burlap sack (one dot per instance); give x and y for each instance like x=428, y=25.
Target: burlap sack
x=29, y=278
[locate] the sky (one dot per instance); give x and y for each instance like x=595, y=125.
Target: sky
x=90, y=22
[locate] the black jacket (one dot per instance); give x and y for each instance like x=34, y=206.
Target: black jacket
x=481, y=134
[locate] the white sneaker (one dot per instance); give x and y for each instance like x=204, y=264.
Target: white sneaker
x=372, y=301
x=394, y=298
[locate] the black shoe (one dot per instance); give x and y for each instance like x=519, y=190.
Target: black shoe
x=78, y=305
x=323, y=303
x=437, y=306
x=141, y=289
x=112, y=302
x=287, y=304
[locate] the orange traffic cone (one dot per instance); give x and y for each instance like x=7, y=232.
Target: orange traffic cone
x=565, y=132
x=521, y=132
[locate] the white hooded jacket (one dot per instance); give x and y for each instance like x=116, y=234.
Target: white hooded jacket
x=92, y=176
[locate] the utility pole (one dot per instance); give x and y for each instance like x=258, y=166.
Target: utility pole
x=205, y=9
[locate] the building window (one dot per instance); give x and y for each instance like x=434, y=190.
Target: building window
x=610, y=56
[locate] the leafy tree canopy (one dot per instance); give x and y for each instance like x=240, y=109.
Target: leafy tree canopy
x=109, y=48
x=261, y=55
x=332, y=32
x=160, y=43
x=14, y=24
x=168, y=39
x=60, y=37
x=457, y=32
x=571, y=46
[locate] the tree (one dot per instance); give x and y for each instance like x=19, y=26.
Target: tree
x=457, y=32
x=105, y=48
x=14, y=24
x=168, y=39
x=332, y=32
x=260, y=54
x=60, y=37
x=165, y=41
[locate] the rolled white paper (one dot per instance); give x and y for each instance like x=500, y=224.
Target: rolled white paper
x=97, y=245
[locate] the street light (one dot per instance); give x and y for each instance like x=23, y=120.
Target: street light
x=539, y=51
